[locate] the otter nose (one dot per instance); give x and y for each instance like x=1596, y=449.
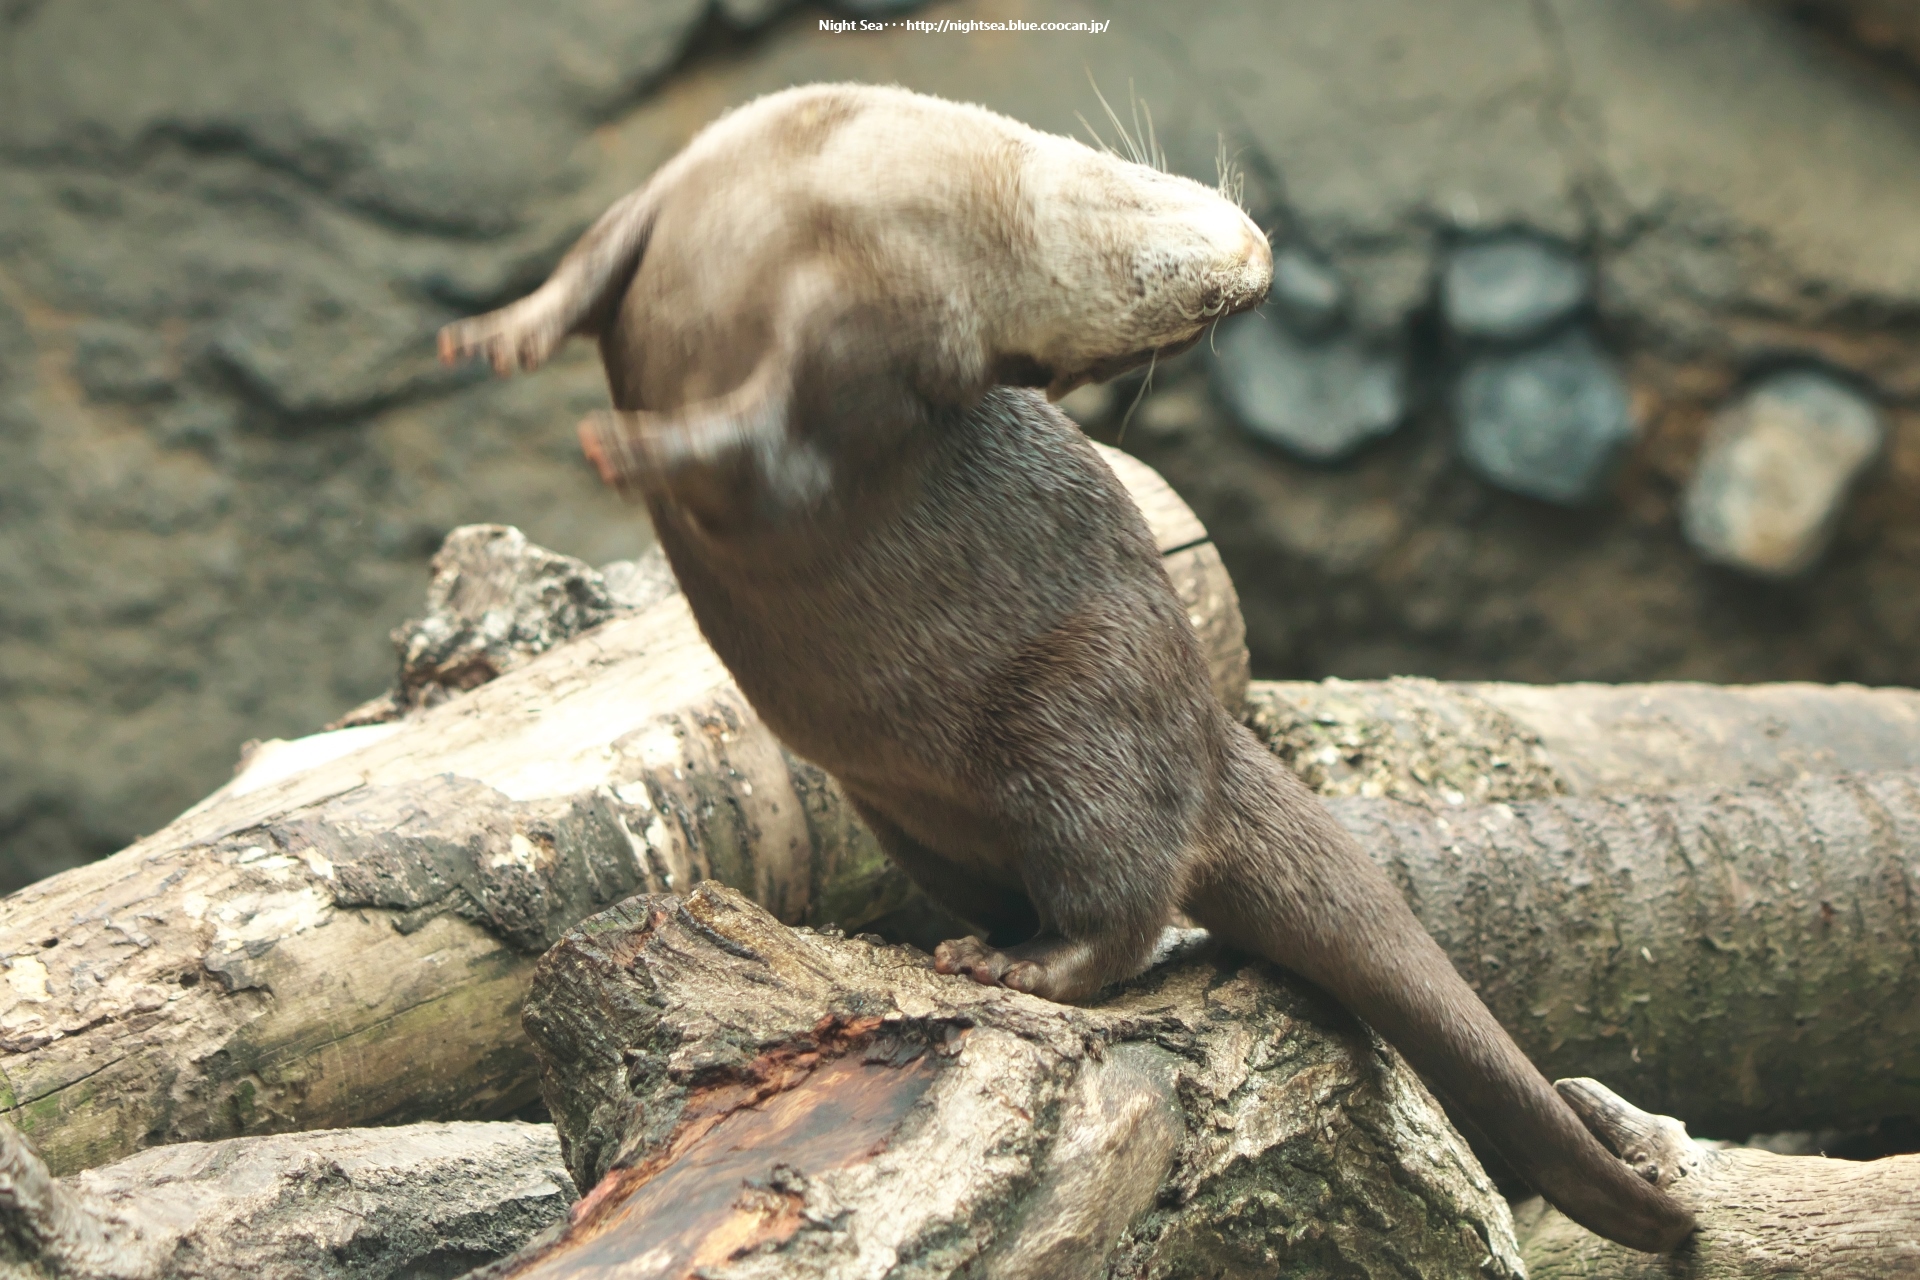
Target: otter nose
x=1256, y=260
x=1256, y=253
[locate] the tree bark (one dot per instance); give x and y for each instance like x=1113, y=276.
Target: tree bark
x=1449, y=744
x=1746, y=958
x=343, y=935
x=748, y=1100
x=351, y=1204
x=1760, y=1214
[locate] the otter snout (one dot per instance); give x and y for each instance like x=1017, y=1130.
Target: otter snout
x=1248, y=264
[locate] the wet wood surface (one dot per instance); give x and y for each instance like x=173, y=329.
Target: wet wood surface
x=750, y=1100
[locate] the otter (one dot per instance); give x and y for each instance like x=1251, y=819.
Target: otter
x=826, y=326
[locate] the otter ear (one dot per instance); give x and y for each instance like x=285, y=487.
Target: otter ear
x=579, y=297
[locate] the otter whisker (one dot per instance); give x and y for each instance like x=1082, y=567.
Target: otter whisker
x=1146, y=382
x=1233, y=179
x=1155, y=158
x=1098, y=141
x=1113, y=117
x=1211, y=310
x=1153, y=143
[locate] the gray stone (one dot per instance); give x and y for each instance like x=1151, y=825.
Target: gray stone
x=1549, y=422
x=1317, y=400
x=1510, y=288
x=1175, y=413
x=1306, y=293
x=1774, y=472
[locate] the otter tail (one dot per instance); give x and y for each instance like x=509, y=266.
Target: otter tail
x=1288, y=882
x=577, y=298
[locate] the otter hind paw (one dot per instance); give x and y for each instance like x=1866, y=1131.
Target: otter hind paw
x=1054, y=968
x=519, y=336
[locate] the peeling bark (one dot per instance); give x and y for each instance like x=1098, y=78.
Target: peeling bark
x=344, y=933
x=816, y=1106
x=1760, y=1214
x=354, y=1204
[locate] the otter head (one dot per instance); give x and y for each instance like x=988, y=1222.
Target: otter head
x=1120, y=264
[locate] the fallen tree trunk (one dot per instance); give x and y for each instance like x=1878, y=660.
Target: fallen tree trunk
x=748, y=1100
x=1761, y=1215
x=1449, y=744
x=1746, y=958
x=344, y=934
x=353, y=1204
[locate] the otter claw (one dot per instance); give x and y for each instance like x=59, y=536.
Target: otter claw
x=987, y=966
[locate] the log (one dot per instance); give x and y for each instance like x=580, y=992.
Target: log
x=749, y=1100
x=1441, y=744
x=352, y=1204
x=1746, y=958
x=1760, y=1214
x=343, y=935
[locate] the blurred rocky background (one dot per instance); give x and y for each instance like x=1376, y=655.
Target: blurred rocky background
x=1591, y=352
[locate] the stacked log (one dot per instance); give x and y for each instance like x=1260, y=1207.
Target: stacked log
x=1702, y=895
x=344, y=934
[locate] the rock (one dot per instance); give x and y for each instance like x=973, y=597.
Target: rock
x=1306, y=293
x=449, y=125
x=1318, y=400
x=1511, y=287
x=1775, y=471
x=1548, y=422
x=495, y=601
x=119, y=362
x=15, y=345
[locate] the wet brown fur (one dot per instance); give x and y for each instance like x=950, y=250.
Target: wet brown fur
x=931, y=585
